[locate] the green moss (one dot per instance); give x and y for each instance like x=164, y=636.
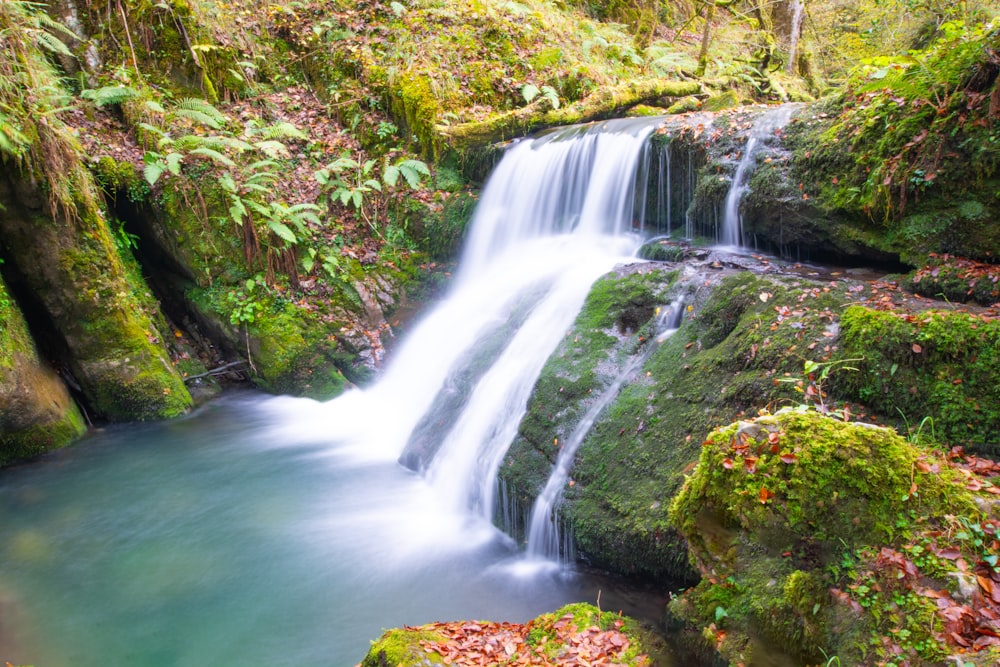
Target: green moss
x=36, y=412
x=895, y=150
x=115, y=177
x=937, y=365
x=724, y=360
x=291, y=349
x=612, y=324
x=956, y=280
x=839, y=472
x=770, y=512
x=415, y=103
x=439, y=230
x=401, y=648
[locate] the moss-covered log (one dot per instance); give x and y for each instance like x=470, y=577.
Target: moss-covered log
x=599, y=105
x=36, y=411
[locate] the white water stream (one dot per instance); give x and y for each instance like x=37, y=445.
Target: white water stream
x=763, y=128
x=544, y=539
x=554, y=216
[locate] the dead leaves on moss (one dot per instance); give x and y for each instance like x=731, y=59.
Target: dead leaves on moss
x=559, y=644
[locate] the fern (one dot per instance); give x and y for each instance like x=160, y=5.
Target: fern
x=53, y=44
x=663, y=60
x=529, y=91
x=412, y=172
x=13, y=142
x=201, y=111
x=110, y=95
x=281, y=131
x=272, y=149
x=214, y=155
x=282, y=230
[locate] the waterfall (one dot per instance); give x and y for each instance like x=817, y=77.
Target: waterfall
x=555, y=215
x=764, y=126
x=545, y=537
x=793, y=38
x=664, y=186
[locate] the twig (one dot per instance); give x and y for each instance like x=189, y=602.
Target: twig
x=219, y=370
x=128, y=34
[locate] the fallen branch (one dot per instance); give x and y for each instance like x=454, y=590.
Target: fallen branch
x=601, y=104
x=219, y=370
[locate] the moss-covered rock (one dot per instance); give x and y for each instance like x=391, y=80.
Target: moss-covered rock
x=895, y=155
x=937, y=365
x=741, y=333
x=36, y=411
x=555, y=638
x=612, y=326
x=72, y=269
x=775, y=514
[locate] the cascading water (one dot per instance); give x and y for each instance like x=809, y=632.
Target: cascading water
x=798, y=9
x=763, y=128
x=554, y=216
x=544, y=538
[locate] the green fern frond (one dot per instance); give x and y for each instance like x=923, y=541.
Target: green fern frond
x=413, y=172
x=213, y=155
x=272, y=149
x=51, y=43
x=110, y=95
x=13, y=142
x=201, y=111
x=281, y=131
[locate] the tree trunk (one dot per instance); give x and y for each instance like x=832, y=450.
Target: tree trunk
x=706, y=39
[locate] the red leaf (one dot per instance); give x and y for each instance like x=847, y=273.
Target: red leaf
x=765, y=495
x=750, y=463
x=959, y=639
x=727, y=463
x=917, y=349
x=789, y=457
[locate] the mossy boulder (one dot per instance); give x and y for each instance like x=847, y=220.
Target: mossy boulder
x=613, y=325
x=73, y=271
x=912, y=170
x=740, y=333
x=36, y=411
x=773, y=509
x=937, y=366
x=578, y=629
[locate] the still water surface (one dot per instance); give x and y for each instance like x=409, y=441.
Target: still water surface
x=236, y=537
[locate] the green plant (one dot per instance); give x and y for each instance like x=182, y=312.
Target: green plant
x=812, y=384
x=247, y=184
x=364, y=185
x=530, y=91
x=243, y=304
x=33, y=138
